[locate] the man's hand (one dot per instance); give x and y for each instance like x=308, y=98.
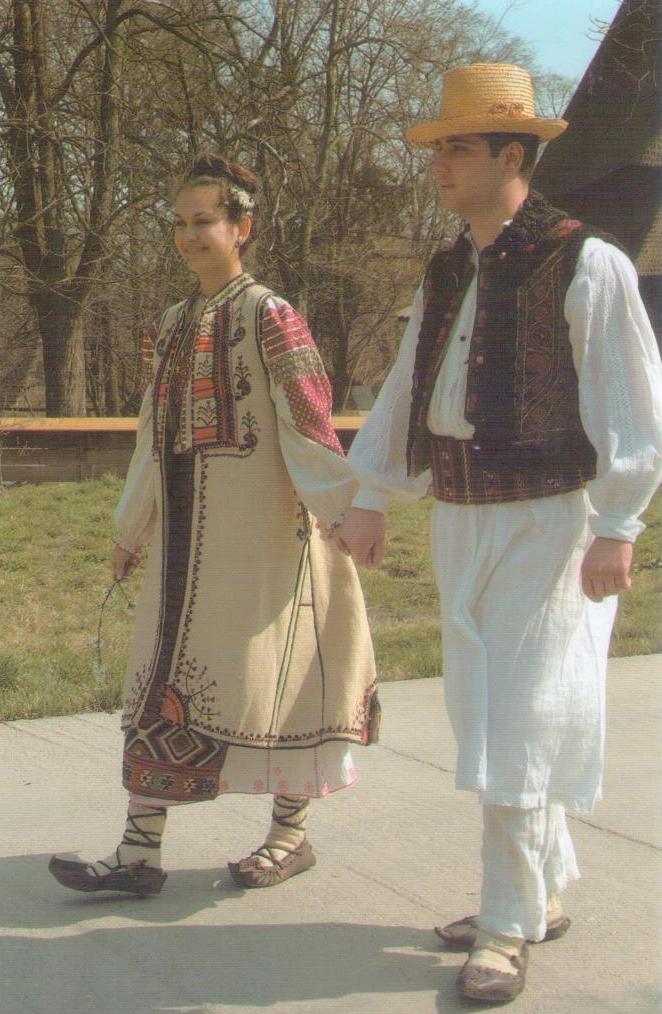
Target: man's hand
x=123, y=563
x=606, y=568
x=363, y=534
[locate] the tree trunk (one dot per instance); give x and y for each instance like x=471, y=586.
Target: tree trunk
x=108, y=364
x=59, y=320
x=57, y=290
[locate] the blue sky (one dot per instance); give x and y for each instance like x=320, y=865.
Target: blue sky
x=559, y=31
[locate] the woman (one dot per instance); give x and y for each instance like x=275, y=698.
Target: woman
x=251, y=668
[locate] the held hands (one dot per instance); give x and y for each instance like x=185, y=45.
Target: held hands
x=123, y=563
x=362, y=535
x=606, y=568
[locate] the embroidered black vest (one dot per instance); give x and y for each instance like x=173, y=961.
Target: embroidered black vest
x=522, y=392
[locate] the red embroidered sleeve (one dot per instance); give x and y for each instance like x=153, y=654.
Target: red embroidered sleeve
x=295, y=365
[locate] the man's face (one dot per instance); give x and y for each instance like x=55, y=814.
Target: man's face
x=469, y=178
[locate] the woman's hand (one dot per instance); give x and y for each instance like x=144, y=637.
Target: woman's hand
x=363, y=535
x=123, y=563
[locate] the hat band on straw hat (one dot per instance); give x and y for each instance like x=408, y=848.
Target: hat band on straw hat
x=515, y=109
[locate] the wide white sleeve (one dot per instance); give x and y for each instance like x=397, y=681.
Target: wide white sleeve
x=301, y=393
x=378, y=454
x=620, y=387
x=136, y=512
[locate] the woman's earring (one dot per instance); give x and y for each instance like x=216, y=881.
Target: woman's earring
x=237, y=242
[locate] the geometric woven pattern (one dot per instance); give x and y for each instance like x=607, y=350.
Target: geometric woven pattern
x=170, y=762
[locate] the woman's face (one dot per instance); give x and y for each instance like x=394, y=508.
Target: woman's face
x=204, y=237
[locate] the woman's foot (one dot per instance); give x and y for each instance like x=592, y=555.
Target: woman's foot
x=266, y=866
x=285, y=851
x=134, y=866
x=133, y=878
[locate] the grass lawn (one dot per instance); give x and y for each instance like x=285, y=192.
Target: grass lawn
x=54, y=545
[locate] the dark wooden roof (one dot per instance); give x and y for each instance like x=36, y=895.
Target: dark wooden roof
x=607, y=167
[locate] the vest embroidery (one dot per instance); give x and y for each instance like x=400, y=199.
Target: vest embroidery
x=218, y=375
x=522, y=392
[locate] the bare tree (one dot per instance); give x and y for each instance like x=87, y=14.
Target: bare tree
x=105, y=100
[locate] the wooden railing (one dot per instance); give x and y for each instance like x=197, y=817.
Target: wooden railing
x=37, y=449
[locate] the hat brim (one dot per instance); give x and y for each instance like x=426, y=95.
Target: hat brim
x=427, y=133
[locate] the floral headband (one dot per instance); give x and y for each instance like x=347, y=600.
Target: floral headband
x=245, y=200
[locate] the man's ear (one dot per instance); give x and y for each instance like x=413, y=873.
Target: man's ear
x=514, y=157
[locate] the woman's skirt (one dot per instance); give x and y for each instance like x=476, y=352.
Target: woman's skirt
x=166, y=762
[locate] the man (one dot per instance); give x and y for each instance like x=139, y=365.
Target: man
x=528, y=392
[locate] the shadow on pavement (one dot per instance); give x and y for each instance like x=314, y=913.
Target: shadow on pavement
x=61, y=954
x=32, y=899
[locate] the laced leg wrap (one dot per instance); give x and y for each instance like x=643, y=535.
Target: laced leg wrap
x=143, y=831
x=289, y=813
x=137, y=832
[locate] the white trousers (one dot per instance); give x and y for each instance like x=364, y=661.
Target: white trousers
x=525, y=651
x=527, y=855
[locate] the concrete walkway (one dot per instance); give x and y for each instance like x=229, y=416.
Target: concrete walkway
x=396, y=855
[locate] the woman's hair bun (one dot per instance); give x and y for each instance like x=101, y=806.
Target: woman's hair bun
x=213, y=164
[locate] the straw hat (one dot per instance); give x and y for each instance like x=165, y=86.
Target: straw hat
x=485, y=97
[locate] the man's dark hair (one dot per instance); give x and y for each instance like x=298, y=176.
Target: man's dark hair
x=498, y=140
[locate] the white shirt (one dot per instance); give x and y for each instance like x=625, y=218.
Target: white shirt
x=620, y=396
